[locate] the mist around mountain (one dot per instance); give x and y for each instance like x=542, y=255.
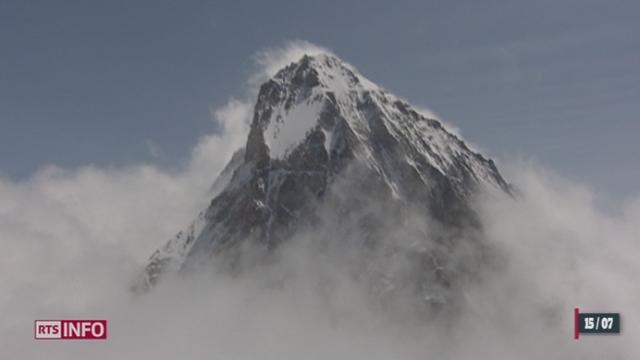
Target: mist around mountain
x=500, y=285
x=338, y=161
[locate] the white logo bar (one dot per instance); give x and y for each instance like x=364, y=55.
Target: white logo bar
x=48, y=329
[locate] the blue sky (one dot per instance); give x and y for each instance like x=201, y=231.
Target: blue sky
x=88, y=82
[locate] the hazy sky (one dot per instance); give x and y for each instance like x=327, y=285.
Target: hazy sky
x=116, y=82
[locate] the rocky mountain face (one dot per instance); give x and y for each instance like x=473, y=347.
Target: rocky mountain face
x=334, y=156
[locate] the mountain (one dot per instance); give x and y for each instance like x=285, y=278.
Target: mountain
x=332, y=154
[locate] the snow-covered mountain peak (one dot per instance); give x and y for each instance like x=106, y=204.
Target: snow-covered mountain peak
x=293, y=102
x=328, y=72
x=322, y=99
x=326, y=140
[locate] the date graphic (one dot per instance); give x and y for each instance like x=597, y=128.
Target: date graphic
x=595, y=323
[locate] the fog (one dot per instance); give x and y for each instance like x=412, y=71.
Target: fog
x=73, y=240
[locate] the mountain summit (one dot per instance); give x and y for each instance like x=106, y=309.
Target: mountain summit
x=332, y=154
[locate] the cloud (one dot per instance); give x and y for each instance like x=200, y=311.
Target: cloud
x=72, y=239
x=213, y=151
x=560, y=252
x=155, y=150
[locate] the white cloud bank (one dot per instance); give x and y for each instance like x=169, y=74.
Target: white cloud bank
x=71, y=241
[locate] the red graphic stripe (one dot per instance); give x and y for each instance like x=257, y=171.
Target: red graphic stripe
x=576, y=319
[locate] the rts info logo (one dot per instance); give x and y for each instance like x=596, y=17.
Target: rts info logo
x=70, y=329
